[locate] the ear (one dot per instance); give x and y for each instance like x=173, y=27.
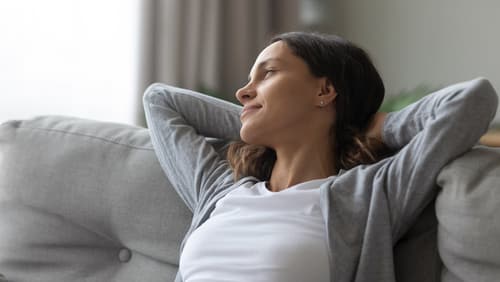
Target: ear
x=327, y=93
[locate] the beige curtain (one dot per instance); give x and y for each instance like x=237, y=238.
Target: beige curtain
x=207, y=45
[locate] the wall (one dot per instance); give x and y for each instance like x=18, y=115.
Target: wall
x=433, y=42
x=75, y=58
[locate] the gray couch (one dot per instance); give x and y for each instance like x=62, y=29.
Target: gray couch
x=86, y=200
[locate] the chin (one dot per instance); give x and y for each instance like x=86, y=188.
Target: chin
x=249, y=136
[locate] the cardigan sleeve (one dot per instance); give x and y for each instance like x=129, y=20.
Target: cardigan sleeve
x=179, y=121
x=428, y=134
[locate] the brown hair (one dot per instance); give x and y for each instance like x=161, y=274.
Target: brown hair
x=360, y=92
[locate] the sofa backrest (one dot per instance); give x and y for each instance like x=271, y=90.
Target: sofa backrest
x=468, y=212
x=85, y=200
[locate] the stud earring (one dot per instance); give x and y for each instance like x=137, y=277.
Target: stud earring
x=321, y=103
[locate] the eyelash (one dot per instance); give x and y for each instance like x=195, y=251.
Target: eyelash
x=268, y=71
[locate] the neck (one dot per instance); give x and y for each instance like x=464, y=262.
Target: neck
x=301, y=163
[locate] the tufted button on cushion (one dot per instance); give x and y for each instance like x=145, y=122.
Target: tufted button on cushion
x=96, y=184
x=124, y=255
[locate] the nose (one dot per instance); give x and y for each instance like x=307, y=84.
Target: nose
x=244, y=94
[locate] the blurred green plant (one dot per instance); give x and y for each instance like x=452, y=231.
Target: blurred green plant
x=405, y=97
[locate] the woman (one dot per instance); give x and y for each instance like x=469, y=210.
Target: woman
x=308, y=191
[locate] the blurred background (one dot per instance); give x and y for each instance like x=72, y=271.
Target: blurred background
x=93, y=59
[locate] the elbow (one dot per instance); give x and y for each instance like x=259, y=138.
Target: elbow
x=152, y=93
x=484, y=95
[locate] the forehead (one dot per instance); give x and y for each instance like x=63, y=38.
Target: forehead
x=276, y=49
x=276, y=52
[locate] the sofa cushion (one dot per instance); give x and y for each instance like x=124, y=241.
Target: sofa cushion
x=468, y=209
x=85, y=200
x=81, y=198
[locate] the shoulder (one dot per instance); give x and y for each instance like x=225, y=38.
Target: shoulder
x=365, y=174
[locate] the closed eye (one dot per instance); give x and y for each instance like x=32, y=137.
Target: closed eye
x=268, y=72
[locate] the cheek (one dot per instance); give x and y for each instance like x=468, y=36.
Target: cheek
x=290, y=107
x=267, y=122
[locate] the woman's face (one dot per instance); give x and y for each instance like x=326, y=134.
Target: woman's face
x=285, y=96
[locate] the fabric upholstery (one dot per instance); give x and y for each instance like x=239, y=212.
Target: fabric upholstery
x=82, y=200
x=85, y=200
x=468, y=209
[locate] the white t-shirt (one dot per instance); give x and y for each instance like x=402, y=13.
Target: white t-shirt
x=254, y=234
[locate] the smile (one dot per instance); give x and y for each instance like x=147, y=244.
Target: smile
x=248, y=111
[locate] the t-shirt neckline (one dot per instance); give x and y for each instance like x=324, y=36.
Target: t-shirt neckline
x=303, y=185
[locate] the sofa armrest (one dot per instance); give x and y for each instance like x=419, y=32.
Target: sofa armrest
x=467, y=209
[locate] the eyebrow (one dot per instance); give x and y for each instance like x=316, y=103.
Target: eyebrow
x=265, y=62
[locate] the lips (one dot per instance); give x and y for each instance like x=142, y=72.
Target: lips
x=249, y=109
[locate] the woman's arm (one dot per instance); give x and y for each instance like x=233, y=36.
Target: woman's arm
x=376, y=126
x=491, y=139
x=179, y=120
x=429, y=134
x=209, y=116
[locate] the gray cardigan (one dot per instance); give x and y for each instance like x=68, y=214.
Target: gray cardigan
x=367, y=208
